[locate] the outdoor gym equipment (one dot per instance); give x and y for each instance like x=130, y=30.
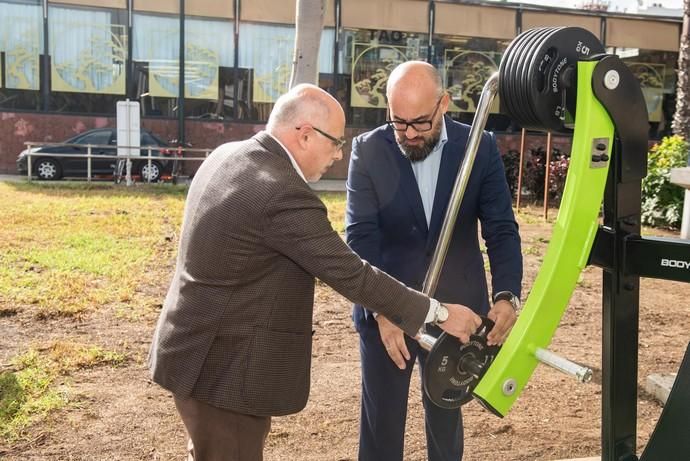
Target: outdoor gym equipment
x=561, y=80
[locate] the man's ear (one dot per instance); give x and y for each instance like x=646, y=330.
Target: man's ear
x=303, y=136
x=445, y=102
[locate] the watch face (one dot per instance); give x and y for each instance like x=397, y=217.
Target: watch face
x=442, y=314
x=510, y=297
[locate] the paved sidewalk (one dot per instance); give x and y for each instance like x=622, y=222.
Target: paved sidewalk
x=12, y=177
x=325, y=185
x=329, y=185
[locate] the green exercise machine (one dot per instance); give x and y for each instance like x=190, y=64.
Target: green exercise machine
x=560, y=79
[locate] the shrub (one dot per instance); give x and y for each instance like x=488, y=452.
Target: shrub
x=558, y=170
x=511, y=164
x=534, y=171
x=662, y=201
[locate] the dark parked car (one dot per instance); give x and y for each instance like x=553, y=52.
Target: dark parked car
x=48, y=167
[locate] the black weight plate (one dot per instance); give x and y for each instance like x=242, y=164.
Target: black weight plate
x=453, y=369
x=517, y=87
x=513, y=89
x=521, y=75
x=504, y=77
x=561, y=49
x=529, y=73
x=505, y=92
x=513, y=106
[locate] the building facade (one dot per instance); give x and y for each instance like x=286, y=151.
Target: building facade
x=64, y=64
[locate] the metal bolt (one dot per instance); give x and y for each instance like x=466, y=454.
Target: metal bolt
x=612, y=79
x=509, y=386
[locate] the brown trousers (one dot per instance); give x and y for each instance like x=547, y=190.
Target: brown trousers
x=216, y=434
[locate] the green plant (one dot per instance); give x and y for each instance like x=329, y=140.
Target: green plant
x=511, y=165
x=33, y=388
x=662, y=201
x=534, y=172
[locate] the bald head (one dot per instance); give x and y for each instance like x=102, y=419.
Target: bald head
x=414, y=77
x=309, y=122
x=303, y=104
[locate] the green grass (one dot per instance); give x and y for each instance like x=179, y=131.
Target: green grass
x=32, y=390
x=335, y=202
x=67, y=249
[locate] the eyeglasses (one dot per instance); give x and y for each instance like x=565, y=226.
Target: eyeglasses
x=419, y=125
x=337, y=142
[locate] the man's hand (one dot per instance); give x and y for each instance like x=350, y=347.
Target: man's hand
x=504, y=318
x=393, y=339
x=461, y=323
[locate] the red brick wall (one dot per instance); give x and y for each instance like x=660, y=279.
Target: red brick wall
x=16, y=128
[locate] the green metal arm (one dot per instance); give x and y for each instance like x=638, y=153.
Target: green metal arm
x=566, y=256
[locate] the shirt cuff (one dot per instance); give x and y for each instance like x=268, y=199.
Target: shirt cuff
x=433, y=307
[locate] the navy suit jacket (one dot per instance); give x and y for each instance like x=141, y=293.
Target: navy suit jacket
x=386, y=224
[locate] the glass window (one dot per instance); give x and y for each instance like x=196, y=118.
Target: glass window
x=156, y=52
x=101, y=138
x=265, y=55
x=21, y=46
x=148, y=140
x=466, y=64
x=209, y=61
x=88, y=49
x=365, y=59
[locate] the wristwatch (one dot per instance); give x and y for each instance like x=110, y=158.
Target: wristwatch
x=441, y=312
x=510, y=297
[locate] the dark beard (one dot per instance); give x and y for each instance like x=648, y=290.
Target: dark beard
x=418, y=153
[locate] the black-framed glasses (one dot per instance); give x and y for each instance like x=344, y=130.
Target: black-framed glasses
x=337, y=142
x=419, y=126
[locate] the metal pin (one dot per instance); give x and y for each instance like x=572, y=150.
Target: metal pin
x=581, y=373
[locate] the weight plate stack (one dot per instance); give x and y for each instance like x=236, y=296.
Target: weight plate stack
x=538, y=76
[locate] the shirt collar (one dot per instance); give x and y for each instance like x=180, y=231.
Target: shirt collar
x=292, y=159
x=443, y=139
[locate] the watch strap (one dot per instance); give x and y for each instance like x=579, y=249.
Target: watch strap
x=510, y=297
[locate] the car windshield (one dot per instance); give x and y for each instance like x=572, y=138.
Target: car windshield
x=150, y=139
x=90, y=137
x=106, y=136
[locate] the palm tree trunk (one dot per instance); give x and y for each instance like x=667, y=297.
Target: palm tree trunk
x=308, y=24
x=681, y=119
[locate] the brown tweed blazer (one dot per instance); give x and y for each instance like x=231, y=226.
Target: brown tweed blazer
x=236, y=327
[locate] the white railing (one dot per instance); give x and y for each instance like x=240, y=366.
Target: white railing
x=176, y=154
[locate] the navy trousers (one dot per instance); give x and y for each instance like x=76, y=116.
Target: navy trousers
x=385, y=389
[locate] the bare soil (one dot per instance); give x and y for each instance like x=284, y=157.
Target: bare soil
x=119, y=414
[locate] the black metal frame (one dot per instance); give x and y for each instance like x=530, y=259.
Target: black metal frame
x=625, y=256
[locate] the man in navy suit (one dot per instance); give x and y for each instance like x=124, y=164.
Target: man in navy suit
x=399, y=183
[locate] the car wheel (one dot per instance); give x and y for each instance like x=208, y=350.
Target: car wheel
x=150, y=174
x=48, y=169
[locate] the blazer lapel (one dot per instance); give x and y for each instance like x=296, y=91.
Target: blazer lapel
x=453, y=153
x=408, y=182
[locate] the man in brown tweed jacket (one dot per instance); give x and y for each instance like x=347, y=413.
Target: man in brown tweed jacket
x=233, y=341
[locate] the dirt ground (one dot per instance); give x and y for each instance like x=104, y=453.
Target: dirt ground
x=119, y=414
